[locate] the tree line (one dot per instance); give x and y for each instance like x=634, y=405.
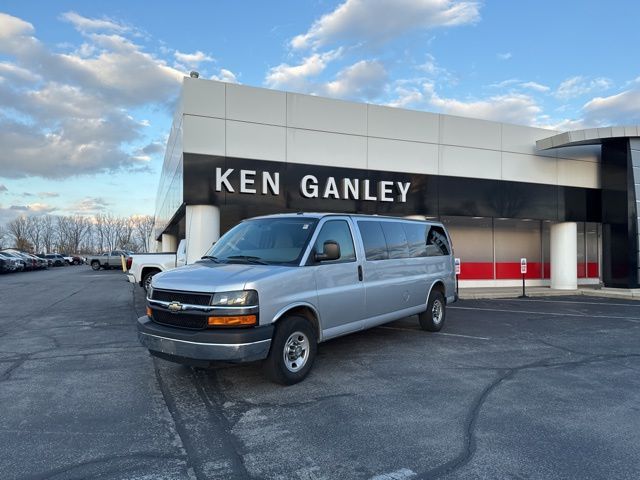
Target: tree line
x=77, y=234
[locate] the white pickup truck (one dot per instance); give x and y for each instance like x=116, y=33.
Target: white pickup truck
x=142, y=267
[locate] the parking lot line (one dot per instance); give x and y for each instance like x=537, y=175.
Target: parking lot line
x=557, y=314
x=437, y=333
x=569, y=301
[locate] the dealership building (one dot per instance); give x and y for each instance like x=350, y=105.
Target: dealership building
x=568, y=202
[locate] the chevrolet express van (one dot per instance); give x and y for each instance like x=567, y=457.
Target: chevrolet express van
x=274, y=287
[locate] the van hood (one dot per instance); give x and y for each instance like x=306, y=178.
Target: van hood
x=208, y=276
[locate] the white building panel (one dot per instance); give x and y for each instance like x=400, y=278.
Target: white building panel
x=322, y=148
x=258, y=105
x=256, y=141
x=203, y=135
x=203, y=98
x=396, y=123
x=325, y=114
x=402, y=156
x=577, y=173
x=469, y=162
x=519, y=139
x=529, y=168
x=470, y=132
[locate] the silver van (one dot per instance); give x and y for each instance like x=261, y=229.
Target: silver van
x=273, y=287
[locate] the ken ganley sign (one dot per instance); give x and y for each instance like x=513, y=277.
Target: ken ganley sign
x=265, y=183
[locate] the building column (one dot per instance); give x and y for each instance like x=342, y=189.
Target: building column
x=169, y=242
x=564, y=256
x=202, y=230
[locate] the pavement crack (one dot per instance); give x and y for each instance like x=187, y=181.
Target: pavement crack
x=231, y=444
x=504, y=374
x=189, y=449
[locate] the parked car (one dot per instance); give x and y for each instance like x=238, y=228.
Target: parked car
x=29, y=263
x=108, y=260
x=57, y=260
x=142, y=267
x=39, y=263
x=273, y=287
x=7, y=264
x=18, y=262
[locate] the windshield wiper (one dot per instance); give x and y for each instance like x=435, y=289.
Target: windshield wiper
x=210, y=257
x=248, y=259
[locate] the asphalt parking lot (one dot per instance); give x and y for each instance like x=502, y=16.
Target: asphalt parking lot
x=539, y=388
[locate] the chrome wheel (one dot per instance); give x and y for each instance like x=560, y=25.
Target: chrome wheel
x=437, y=312
x=296, y=351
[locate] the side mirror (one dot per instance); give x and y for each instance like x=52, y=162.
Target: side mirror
x=330, y=251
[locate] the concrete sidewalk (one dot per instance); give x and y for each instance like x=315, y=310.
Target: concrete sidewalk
x=514, y=292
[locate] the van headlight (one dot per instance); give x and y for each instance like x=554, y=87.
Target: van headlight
x=149, y=291
x=238, y=298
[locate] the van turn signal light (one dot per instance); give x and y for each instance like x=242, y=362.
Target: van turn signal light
x=149, y=312
x=240, y=320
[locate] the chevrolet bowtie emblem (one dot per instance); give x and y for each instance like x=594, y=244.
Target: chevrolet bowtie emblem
x=175, y=307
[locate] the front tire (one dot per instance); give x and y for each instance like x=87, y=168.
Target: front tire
x=293, y=351
x=95, y=265
x=433, y=319
x=146, y=281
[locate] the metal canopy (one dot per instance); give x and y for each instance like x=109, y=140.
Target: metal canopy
x=588, y=136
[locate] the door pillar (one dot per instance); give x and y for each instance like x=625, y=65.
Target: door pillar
x=564, y=256
x=202, y=229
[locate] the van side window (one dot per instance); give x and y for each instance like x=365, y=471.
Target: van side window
x=437, y=243
x=338, y=231
x=396, y=240
x=416, y=238
x=375, y=246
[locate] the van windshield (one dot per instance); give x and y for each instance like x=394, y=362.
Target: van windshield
x=273, y=241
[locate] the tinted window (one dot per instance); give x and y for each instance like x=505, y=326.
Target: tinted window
x=338, y=231
x=375, y=246
x=396, y=240
x=437, y=243
x=416, y=238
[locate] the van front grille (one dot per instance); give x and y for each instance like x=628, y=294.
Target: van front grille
x=181, y=320
x=182, y=297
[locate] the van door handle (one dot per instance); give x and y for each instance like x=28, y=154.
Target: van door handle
x=360, y=272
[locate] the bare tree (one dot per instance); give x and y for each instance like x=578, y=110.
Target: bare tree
x=49, y=233
x=71, y=232
x=35, y=229
x=18, y=229
x=4, y=237
x=143, y=226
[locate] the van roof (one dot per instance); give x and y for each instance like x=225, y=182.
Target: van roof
x=319, y=215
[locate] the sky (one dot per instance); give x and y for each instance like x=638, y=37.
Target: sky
x=87, y=89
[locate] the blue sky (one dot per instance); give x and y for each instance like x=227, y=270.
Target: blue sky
x=87, y=88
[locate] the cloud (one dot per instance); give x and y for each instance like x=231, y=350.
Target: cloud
x=33, y=208
x=505, y=55
x=67, y=113
x=48, y=194
x=538, y=87
x=365, y=79
x=225, y=75
x=296, y=77
x=578, y=86
x=192, y=59
x=85, y=24
x=379, y=21
x=90, y=205
x=619, y=109
x=3, y=188
x=513, y=107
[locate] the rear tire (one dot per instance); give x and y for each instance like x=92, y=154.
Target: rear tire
x=293, y=351
x=95, y=265
x=433, y=319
